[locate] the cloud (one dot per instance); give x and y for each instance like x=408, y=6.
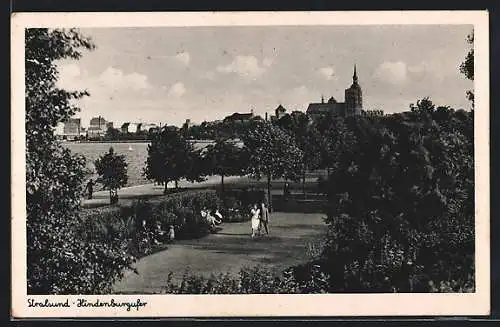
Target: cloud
x=431, y=68
x=247, y=67
x=177, y=90
x=299, y=97
x=72, y=77
x=183, y=57
x=267, y=62
x=327, y=72
x=68, y=71
x=208, y=76
x=392, y=72
x=116, y=79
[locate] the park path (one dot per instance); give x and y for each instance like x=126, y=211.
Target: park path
x=227, y=251
x=130, y=193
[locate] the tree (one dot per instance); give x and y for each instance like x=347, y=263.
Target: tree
x=401, y=204
x=171, y=157
x=272, y=154
x=332, y=138
x=467, y=67
x=58, y=258
x=225, y=158
x=112, y=134
x=306, y=137
x=112, y=171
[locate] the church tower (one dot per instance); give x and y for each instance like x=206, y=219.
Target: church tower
x=353, y=97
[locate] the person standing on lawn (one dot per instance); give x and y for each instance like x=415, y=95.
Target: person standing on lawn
x=264, y=217
x=90, y=188
x=255, y=212
x=171, y=234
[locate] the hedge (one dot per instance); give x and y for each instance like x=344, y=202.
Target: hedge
x=136, y=224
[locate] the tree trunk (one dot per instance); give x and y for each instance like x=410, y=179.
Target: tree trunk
x=110, y=197
x=176, y=184
x=222, y=185
x=269, y=198
x=165, y=190
x=304, y=182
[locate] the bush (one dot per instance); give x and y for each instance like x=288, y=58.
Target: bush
x=137, y=223
x=256, y=280
x=236, y=203
x=401, y=204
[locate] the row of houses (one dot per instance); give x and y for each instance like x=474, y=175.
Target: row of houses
x=73, y=129
x=98, y=126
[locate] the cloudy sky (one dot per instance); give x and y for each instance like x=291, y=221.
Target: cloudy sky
x=170, y=74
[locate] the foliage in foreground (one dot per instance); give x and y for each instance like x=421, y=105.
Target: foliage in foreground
x=255, y=280
x=410, y=227
x=59, y=261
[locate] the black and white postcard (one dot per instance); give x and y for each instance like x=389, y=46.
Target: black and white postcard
x=256, y=164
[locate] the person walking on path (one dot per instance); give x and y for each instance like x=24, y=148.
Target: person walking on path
x=286, y=191
x=171, y=234
x=264, y=217
x=255, y=212
x=90, y=188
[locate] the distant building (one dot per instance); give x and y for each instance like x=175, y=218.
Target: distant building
x=98, y=127
x=239, y=117
x=146, y=127
x=279, y=112
x=353, y=104
x=373, y=113
x=72, y=127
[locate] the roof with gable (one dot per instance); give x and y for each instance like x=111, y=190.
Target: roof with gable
x=238, y=116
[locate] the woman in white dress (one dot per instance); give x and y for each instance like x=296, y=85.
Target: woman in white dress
x=255, y=212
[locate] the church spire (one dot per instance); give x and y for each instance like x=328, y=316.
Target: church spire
x=355, y=76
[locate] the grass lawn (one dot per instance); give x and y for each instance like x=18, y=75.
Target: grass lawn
x=228, y=251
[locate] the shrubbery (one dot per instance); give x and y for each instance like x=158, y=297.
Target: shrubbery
x=130, y=223
x=236, y=203
x=401, y=213
x=255, y=280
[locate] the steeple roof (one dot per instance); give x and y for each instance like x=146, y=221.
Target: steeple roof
x=355, y=76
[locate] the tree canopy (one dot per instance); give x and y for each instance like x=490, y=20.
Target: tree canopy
x=225, y=158
x=467, y=66
x=401, y=211
x=59, y=260
x=112, y=171
x=171, y=157
x=272, y=154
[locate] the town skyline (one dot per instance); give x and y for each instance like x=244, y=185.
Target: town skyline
x=170, y=74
